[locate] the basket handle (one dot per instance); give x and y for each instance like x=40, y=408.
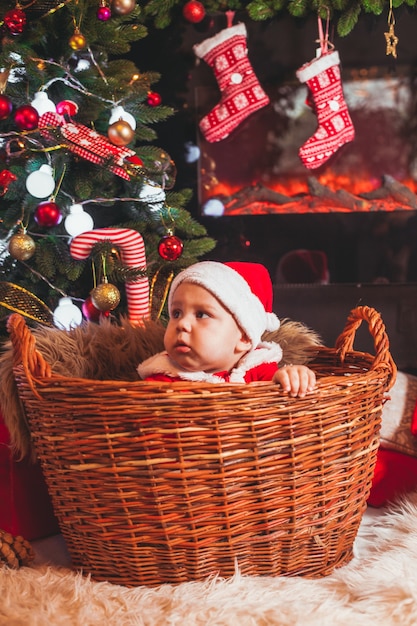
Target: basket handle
x=25, y=352
x=344, y=343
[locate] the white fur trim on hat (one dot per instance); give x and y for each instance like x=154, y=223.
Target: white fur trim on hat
x=233, y=292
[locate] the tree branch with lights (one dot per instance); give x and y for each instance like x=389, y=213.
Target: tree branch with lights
x=344, y=13
x=78, y=154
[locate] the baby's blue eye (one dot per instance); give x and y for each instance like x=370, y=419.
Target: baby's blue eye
x=201, y=314
x=175, y=314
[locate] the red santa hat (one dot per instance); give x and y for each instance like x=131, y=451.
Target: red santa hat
x=244, y=289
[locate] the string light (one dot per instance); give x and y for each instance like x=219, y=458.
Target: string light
x=67, y=315
x=71, y=81
x=134, y=78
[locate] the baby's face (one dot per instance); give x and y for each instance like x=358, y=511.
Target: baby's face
x=201, y=334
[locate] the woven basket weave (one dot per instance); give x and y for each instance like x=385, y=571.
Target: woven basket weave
x=165, y=483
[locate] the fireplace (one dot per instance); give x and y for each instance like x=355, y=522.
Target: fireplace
x=257, y=170
x=359, y=209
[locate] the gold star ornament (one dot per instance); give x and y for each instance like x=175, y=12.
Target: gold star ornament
x=392, y=41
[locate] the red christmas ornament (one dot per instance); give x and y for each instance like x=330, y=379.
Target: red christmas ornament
x=154, y=99
x=26, y=117
x=15, y=21
x=194, y=11
x=134, y=160
x=6, y=107
x=6, y=177
x=170, y=248
x=91, y=312
x=48, y=214
x=67, y=107
x=103, y=13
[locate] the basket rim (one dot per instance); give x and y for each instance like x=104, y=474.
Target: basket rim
x=348, y=377
x=37, y=369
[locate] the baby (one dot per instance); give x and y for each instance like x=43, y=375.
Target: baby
x=218, y=313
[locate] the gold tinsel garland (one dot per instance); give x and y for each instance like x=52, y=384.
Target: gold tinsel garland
x=19, y=300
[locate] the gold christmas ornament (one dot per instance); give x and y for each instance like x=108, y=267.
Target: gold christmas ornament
x=21, y=246
x=120, y=133
x=77, y=41
x=105, y=296
x=123, y=7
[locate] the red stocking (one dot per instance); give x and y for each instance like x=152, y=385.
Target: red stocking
x=335, y=128
x=241, y=94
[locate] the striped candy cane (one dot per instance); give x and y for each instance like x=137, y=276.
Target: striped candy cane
x=132, y=252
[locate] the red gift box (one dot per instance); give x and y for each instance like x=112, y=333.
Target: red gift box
x=395, y=474
x=26, y=507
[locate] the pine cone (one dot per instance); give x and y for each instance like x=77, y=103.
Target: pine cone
x=15, y=551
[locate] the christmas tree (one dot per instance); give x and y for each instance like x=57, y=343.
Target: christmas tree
x=90, y=216
x=344, y=13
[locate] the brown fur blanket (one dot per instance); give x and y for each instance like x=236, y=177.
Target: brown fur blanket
x=109, y=351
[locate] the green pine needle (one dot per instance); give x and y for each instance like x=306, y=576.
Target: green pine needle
x=348, y=19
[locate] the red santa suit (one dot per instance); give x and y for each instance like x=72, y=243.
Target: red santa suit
x=258, y=364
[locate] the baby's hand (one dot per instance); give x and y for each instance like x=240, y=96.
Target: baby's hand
x=296, y=379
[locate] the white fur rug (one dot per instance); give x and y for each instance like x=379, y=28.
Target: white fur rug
x=379, y=586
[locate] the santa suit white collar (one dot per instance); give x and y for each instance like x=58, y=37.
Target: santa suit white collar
x=161, y=363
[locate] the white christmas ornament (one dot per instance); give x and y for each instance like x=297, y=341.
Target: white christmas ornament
x=152, y=195
x=67, y=315
x=4, y=245
x=82, y=64
x=40, y=184
x=191, y=152
x=118, y=113
x=213, y=207
x=42, y=103
x=18, y=71
x=78, y=221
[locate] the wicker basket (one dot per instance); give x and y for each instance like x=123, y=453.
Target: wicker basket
x=165, y=483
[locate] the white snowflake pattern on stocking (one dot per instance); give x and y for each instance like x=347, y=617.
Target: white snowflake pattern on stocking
x=241, y=94
x=335, y=128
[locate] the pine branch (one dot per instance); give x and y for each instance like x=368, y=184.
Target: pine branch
x=93, y=78
x=260, y=10
x=349, y=19
x=298, y=8
x=373, y=6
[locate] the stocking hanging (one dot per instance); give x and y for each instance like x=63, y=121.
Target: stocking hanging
x=241, y=94
x=335, y=128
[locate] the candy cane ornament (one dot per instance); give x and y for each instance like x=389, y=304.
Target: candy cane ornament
x=132, y=253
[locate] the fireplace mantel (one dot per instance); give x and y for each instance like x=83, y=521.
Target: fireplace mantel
x=325, y=308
